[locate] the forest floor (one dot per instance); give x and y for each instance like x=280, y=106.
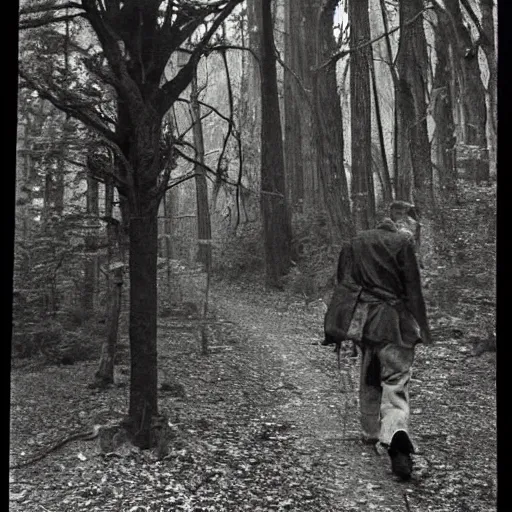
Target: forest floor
x=267, y=421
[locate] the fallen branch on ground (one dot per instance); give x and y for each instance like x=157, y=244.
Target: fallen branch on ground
x=88, y=435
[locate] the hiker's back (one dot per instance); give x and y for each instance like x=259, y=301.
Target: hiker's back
x=376, y=259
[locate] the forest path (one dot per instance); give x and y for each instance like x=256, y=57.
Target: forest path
x=265, y=421
x=319, y=400
x=453, y=388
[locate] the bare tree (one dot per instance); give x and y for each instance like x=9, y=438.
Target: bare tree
x=91, y=239
x=137, y=40
x=114, y=272
x=204, y=230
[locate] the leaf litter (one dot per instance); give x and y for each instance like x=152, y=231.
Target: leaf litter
x=270, y=423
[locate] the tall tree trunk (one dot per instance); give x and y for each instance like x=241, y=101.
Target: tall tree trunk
x=143, y=317
x=301, y=58
x=58, y=189
x=47, y=196
x=442, y=108
x=250, y=111
x=396, y=87
x=90, y=261
x=204, y=232
x=387, y=186
x=414, y=163
x=274, y=209
x=105, y=374
x=143, y=247
x=59, y=182
x=471, y=90
x=488, y=46
x=360, y=116
x=24, y=172
x=293, y=103
x=167, y=240
x=329, y=126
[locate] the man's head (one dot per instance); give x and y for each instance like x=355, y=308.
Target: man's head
x=401, y=210
x=405, y=216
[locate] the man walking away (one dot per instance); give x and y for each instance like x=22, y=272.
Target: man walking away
x=378, y=304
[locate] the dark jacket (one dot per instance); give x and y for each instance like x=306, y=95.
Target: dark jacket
x=378, y=267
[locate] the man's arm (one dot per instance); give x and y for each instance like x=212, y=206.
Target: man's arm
x=412, y=287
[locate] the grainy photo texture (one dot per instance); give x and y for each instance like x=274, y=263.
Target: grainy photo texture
x=254, y=261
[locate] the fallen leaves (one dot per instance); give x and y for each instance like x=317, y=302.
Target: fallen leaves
x=262, y=424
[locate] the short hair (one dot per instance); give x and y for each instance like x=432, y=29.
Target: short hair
x=403, y=208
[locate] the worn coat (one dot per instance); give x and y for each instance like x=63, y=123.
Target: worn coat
x=378, y=296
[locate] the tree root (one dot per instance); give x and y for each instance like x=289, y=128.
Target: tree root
x=88, y=435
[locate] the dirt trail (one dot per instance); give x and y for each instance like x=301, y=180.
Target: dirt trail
x=317, y=399
x=453, y=393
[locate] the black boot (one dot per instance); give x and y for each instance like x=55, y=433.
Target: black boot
x=400, y=451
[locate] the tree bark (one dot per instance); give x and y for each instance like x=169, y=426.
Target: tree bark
x=471, y=91
x=442, y=109
x=387, y=186
x=24, y=172
x=488, y=46
x=394, y=76
x=274, y=208
x=59, y=183
x=204, y=231
x=293, y=102
x=328, y=126
x=250, y=111
x=141, y=141
x=91, y=260
x=415, y=168
x=360, y=116
x=167, y=240
x=143, y=318
x=300, y=139
x=415, y=180
x=105, y=374
x=137, y=45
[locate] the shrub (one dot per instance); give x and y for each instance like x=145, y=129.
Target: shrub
x=316, y=257
x=240, y=253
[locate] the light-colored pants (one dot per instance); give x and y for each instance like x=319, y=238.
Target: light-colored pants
x=384, y=389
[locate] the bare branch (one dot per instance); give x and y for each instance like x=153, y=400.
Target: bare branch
x=160, y=189
x=222, y=47
x=121, y=185
x=220, y=173
x=181, y=179
x=76, y=110
x=307, y=92
x=231, y=108
x=339, y=55
x=126, y=86
x=172, y=89
x=204, y=166
x=41, y=22
x=192, y=125
x=212, y=108
x=33, y=9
